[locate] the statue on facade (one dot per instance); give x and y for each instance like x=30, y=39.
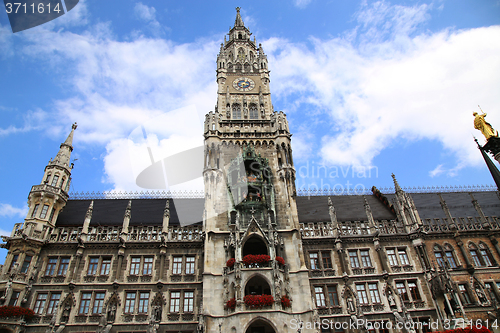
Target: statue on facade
x=201, y=324
x=481, y=124
x=111, y=313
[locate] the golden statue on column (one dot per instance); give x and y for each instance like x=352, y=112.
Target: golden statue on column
x=481, y=124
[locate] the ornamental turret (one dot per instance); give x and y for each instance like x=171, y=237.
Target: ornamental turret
x=46, y=200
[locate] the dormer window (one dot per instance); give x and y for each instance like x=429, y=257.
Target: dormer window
x=240, y=36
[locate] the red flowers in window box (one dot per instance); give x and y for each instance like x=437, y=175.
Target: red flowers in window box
x=280, y=260
x=230, y=262
x=259, y=259
x=258, y=301
x=15, y=311
x=231, y=304
x=285, y=302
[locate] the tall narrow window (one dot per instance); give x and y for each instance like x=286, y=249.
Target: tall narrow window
x=415, y=294
x=401, y=288
x=52, y=212
x=320, y=297
x=33, y=214
x=327, y=260
x=105, y=266
x=403, y=257
x=51, y=267
x=26, y=264
x=40, y=303
x=129, y=302
x=147, y=269
x=143, y=302
x=475, y=257
x=177, y=267
x=362, y=295
x=391, y=256
x=254, y=114
x=353, y=256
x=365, y=258
x=451, y=259
x=98, y=303
x=85, y=303
x=313, y=259
x=63, y=267
x=13, y=298
x=462, y=288
x=486, y=257
x=44, y=211
x=236, y=111
x=189, y=265
x=135, y=266
x=175, y=300
x=55, y=180
x=333, y=296
x=374, y=294
x=53, y=303
x=13, y=262
x=188, y=301
x=491, y=291
x=93, y=262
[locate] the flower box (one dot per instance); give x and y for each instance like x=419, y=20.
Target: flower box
x=15, y=311
x=230, y=262
x=258, y=301
x=280, y=260
x=256, y=259
x=285, y=302
x=231, y=304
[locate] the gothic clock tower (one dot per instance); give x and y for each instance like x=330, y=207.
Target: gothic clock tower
x=255, y=277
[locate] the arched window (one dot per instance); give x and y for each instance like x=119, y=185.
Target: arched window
x=257, y=286
x=254, y=245
x=238, y=67
x=485, y=255
x=450, y=256
x=247, y=67
x=253, y=112
x=475, y=255
x=230, y=67
x=239, y=36
x=439, y=254
x=236, y=111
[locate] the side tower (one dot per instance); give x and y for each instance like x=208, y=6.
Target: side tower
x=255, y=277
x=45, y=202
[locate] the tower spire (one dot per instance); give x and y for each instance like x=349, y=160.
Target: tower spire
x=396, y=184
x=63, y=156
x=239, y=21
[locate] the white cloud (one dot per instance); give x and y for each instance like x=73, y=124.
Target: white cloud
x=398, y=87
x=7, y=210
x=437, y=171
x=301, y=3
x=148, y=14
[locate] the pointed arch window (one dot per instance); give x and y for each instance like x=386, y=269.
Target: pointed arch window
x=55, y=180
x=236, y=111
x=475, y=255
x=485, y=255
x=445, y=256
x=254, y=114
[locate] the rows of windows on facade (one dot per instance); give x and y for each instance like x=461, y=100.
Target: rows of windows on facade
x=368, y=291
x=91, y=303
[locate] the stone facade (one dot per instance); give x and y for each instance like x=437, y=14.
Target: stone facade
x=256, y=257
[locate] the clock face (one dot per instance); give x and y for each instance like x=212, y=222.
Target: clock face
x=243, y=84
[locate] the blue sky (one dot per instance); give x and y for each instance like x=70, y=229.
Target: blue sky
x=385, y=86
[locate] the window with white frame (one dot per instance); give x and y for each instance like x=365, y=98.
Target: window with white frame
x=99, y=265
x=408, y=289
x=57, y=266
x=141, y=265
x=41, y=299
x=139, y=298
x=368, y=293
x=360, y=258
x=175, y=301
x=91, y=302
x=320, y=297
x=397, y=256
x=183, y=265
